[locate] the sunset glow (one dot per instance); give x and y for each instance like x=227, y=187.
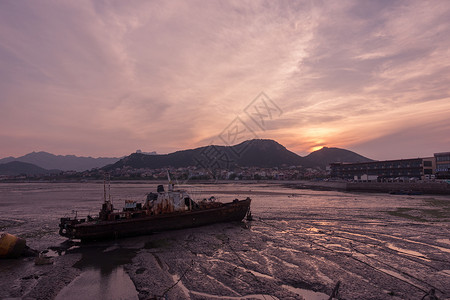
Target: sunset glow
x=99, y=78
x=316, y=148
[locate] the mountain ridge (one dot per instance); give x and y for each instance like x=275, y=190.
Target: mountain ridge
x=15, y=168
x=263, y=153
x=69, y=162
x=252, y=153
x=322, y=156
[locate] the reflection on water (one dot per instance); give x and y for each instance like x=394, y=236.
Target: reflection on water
x=407, y=252
x=307, y=294
x=94, y=284
x=103, y=276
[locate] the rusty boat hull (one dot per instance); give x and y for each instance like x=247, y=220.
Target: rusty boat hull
x=141, y=225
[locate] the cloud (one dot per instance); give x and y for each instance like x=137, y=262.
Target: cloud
x=106, y=78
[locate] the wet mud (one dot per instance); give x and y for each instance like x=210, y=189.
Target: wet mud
x=298, y=246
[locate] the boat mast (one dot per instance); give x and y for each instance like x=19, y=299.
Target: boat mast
x=104, y=189
x=107, y=176
x=170, y=185
x=109, y=187
x=107, y=207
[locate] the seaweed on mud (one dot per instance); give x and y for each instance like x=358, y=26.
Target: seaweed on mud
x=155, y=244
x=436, y=213
x=223, y=237
x=445, y=204
x=420, y=215
x=97, y=258
x=403, y=213
x=37, y=234
x=4, y=224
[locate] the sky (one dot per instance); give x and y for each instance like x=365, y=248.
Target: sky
x=105, y=78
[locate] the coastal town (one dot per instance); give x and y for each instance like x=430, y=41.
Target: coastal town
x=424, y=169
x=182, y=174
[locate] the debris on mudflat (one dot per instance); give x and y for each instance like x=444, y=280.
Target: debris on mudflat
x=249, y=215
x=335, y=292
x=43, y=260
x=431, y=295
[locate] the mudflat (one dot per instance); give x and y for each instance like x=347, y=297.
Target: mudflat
x=299, y=245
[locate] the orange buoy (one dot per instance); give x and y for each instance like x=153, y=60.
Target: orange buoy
x=10, y=245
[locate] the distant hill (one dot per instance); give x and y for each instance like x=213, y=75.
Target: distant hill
x=261, y=153
x=325, y=156
x=15, y=168
x=252, y=153
x=62, y=162
x=265, y=153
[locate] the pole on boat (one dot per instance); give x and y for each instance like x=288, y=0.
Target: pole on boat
x=104, y=189
x=170, y=186
x=109, y=187
x=107, y=176
x=168, y=176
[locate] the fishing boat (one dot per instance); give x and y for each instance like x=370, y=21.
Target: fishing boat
x=164, y=210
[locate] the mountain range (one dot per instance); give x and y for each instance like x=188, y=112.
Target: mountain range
x=252, y=153
x=15, y=168
x=50, y=161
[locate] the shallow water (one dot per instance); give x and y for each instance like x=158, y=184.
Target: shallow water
x=93, y=284
x=300, y=244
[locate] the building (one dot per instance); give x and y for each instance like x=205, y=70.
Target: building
x=400, y=169
x=429, y=166
x=442, y=164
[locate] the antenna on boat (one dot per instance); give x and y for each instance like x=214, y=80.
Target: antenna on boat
x=168, y=176
x=170, y=186
x=170, y=179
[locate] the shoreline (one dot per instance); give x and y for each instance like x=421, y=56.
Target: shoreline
x=429, y=188
x=421, y=187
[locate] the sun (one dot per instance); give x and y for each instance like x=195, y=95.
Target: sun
x=315, y=148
